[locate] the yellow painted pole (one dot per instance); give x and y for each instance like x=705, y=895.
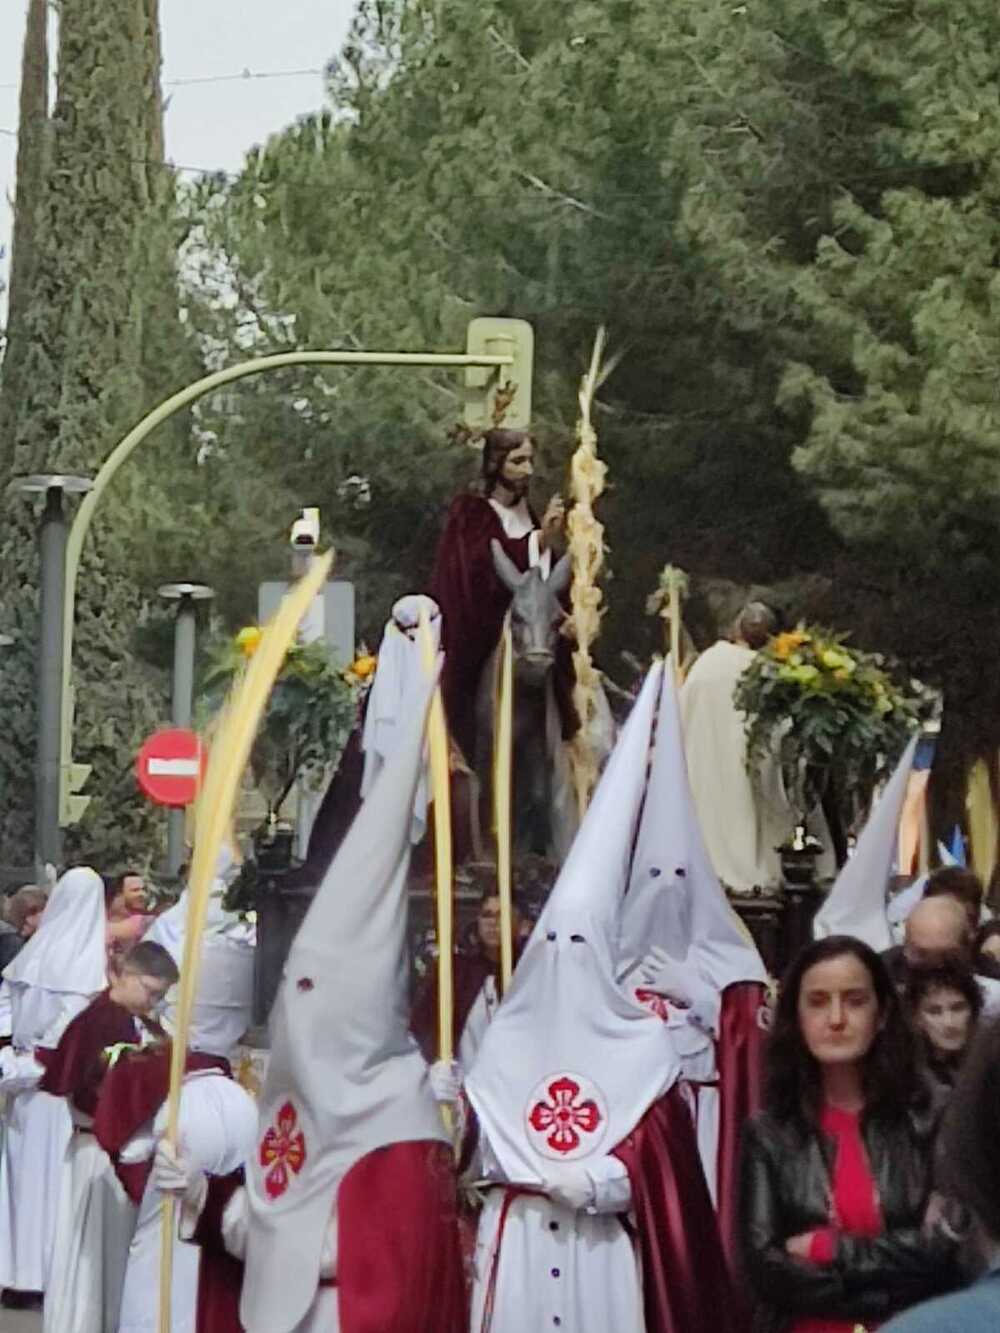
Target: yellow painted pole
x=228, y=760
x=675, y=624
x=437, y=740
x=503, y=746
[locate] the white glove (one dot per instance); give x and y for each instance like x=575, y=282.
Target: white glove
x=446, y=1081
x=173, y=1174
x=569, y=1184
x=661, y=973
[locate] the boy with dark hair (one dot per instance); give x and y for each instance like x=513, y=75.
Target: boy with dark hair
x=96, y=1217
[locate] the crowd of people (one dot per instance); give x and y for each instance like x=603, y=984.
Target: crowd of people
x=640, y=1132
x=647, y=1137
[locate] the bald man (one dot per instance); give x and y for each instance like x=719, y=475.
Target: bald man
x=937, y=931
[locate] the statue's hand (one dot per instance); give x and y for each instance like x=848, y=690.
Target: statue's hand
x=553, y=522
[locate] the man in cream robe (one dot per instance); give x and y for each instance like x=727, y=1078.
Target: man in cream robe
x=744, y=816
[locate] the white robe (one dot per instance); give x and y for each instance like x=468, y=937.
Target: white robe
x=218, y=1123
x=555, y=1268
x=743, y=818
x=37, y=1132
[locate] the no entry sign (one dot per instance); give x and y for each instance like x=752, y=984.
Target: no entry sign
x=171, y=765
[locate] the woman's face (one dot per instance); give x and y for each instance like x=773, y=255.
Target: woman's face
x=944, y=1016
x=838, y=1010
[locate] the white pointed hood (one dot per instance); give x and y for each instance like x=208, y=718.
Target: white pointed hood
x=400, y=662
x=675, y=900
x=570, y=1064
x=67, y=952
x=856, y=905
x=345, y=1075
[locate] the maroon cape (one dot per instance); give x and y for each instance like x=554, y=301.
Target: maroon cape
x=686, y=1284
x=473, y=605
x=77, y=1066
x=131, y=1094
x=469, y=971
x=742, y=1037
x=399, y=1264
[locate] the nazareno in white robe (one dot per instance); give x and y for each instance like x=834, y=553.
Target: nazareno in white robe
x=218, y=1132
x=37, y=1131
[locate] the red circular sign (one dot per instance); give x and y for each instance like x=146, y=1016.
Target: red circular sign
x=171, y=766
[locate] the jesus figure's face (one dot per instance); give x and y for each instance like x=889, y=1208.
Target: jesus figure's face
x=518, y=469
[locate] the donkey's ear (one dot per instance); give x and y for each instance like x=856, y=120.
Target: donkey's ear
x=559, y=579
x=508, y=573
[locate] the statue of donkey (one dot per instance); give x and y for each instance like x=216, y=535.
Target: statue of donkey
x=536, y=617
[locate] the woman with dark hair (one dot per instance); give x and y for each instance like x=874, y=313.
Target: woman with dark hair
x=836, y=1172
x=944, y=1004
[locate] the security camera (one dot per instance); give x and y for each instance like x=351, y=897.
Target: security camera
x=305, y=530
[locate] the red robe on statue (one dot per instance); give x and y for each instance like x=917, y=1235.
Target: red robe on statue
x=399, y=1264
x=473, y=604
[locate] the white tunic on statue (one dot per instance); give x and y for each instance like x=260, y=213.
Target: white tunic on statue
x=557, y=1268
x=218, y=1132
x=37, y=1133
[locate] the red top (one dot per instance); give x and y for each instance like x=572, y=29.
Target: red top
x=855, y=1205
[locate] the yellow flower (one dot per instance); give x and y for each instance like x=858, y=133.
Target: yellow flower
x=785, y=644
x=364, y=666
x=248, y=639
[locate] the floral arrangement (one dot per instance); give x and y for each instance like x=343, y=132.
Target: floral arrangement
x=312, y=710
x=827, y=711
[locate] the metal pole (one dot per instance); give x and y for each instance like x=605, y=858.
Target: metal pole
x=183, y=696
x=52, y=554
x=184, y=398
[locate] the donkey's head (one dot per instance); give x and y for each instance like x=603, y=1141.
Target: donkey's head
x=535, y=612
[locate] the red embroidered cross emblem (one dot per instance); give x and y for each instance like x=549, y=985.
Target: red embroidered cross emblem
x=654, y=1002
x=282, y=1150
x=564, y=1115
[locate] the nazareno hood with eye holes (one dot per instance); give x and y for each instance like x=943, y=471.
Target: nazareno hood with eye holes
x=570, y=1064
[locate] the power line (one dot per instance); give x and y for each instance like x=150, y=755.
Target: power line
x=242, y=77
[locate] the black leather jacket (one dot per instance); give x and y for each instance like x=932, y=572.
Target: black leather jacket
x=785, y=1191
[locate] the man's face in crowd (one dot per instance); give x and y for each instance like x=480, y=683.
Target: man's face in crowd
x=934, y=939
x=31, y=923
x=518, y=469
x=133, y=893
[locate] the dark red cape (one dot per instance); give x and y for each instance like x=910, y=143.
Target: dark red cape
x=469, y=971
x=473, y=605
x=220, y=1276
x=740, y=1055
x=78, y=1064
x=399, y=1264
x=131, y=1094
x=685, y=1280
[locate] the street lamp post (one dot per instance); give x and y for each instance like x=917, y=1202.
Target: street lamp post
x=187, y=596
x=52, y=535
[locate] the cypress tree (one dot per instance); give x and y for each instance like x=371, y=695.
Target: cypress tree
x=81, y=386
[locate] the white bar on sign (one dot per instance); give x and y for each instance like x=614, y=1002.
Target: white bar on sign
x=174, y=768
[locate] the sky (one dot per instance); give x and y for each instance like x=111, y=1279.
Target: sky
x=209, y=124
